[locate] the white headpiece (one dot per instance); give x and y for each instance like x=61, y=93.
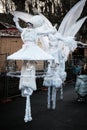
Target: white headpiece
x=36, y=20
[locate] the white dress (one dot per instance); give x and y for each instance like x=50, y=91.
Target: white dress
x=30, y=50
x=27, y=78
x=52, y=78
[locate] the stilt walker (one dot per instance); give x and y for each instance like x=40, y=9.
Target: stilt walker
x=30, y=53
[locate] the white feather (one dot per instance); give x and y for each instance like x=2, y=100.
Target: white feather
x=71, y=17
x=75, y=28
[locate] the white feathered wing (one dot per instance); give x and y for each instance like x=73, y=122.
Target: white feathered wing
x=71, y=17
x=22, y=15
x=70, y=25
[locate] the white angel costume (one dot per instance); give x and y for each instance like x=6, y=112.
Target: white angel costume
x=52, y=79
x=64, y=39
x=29, y=52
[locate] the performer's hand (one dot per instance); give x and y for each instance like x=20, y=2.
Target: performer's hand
x=15, y=19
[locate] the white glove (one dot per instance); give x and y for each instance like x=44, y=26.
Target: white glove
x=15, y=19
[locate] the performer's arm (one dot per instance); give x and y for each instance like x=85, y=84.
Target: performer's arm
x=16, y=20
x=47, y=32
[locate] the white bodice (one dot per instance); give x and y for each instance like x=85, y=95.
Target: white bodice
x=29, y=35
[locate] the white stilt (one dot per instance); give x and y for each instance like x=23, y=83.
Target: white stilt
x=61, y=92
x=48, y=97
x=54, y=90
x=28, y=110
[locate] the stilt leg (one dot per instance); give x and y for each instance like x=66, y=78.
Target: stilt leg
x=48, y=98
x=61, y=92
x=28, y=110
x=54, y=90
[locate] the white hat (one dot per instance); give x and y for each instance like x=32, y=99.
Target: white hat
x=36, y=20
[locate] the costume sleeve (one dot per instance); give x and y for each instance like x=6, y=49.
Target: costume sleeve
x=16, y=20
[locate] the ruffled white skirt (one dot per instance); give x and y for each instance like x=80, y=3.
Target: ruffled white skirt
x=52, y=82
x=30, y=52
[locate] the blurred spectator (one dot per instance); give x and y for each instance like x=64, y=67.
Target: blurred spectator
x=77, y=70
x=84, y=69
